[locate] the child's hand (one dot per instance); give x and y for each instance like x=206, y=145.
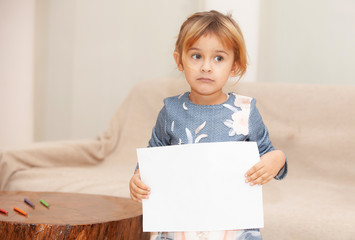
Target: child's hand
x=138, y=189
x=265, y=170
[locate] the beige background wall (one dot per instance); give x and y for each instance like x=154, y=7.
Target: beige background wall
x=66, y=65
x=89, y=55
x=307, y=41
x=16, y=71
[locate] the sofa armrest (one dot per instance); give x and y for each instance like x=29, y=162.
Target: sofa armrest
x=52, y=154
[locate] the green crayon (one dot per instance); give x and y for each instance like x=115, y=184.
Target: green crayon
x=44, y=203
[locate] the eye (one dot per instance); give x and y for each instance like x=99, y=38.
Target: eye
x=218, y=58
x=196, y=56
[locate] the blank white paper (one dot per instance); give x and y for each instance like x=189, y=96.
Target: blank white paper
x=200, y=187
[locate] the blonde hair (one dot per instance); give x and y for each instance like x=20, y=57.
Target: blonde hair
x=214, y=22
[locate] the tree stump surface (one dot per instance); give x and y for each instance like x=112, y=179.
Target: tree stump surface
x=70, y=216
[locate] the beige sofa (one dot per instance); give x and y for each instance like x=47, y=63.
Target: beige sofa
x=314, y=125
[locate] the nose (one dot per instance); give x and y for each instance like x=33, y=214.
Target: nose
x=206, y=66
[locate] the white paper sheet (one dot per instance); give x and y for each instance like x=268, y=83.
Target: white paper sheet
x=200, y=187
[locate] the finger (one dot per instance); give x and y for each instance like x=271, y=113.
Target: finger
x=135, y=199
x=139, y=194
x=139, y=191
x=255, y=175
x=267, y=180
x=254, y=169
x=260, y=179
x=138, y=182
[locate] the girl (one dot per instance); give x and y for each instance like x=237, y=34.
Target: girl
x=210, y=48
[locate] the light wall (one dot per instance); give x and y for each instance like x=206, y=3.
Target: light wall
x=90, y=53
x=307, y=41
x=16, y=72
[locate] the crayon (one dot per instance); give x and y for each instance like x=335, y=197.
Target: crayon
x=20, y=211
x=29, y=203
x=44, y=203
x=3, y=211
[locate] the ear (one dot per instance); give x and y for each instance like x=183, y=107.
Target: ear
x=234, y=69
x=177, y=61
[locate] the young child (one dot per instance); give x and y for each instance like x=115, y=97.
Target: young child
x=210, y=48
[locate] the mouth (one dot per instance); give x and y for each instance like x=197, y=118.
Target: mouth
x=205, y=79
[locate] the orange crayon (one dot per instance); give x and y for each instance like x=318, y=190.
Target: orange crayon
x=20, y=211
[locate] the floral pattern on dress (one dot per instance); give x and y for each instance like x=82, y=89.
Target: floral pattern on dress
x=239, y=124
x=189, y=136
x=242, y=101
x=250, y=234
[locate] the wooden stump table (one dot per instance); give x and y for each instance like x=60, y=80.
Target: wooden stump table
x=70, y=216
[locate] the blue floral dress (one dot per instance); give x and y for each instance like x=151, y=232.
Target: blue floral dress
x=237, y=119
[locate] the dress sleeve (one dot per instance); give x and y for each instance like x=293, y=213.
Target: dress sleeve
x=159, y=133
x=259, y=133
x=160, y=136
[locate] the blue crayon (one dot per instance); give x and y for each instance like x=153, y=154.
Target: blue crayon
x=29, y=203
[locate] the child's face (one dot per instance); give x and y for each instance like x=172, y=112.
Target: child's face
x=207, y=65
